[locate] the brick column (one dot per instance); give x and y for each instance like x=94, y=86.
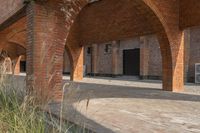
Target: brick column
x=178, y=64
x=45, y=47
x=77, y=69
x=16, y=65
x=186, y=52
x=94, y=60
x=167, y=66
x=76, y=51
x=172, y=63
x=115, y=58
x=171, y=43
x=144, y=57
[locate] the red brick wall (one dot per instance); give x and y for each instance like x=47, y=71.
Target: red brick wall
x=104, y=61
x=194, y=52
x=155, y=58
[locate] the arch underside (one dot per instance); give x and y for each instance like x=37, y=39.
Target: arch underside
x=13, y=39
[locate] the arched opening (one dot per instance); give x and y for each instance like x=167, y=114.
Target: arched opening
x=96, y=24
x=13, y=52
x=139, y=18
x=84, y=28
x=23, y=64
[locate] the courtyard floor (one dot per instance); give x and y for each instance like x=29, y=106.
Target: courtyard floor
x=129, y=105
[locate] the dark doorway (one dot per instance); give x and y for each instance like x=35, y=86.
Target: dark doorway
x=131, y=62
x=22, y=66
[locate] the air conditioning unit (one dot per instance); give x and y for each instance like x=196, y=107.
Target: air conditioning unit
x=197, y=73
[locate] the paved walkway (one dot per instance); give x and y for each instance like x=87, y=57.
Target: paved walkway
x=129, y=105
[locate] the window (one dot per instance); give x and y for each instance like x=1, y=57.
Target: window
x=107, y=49
x=89, y=50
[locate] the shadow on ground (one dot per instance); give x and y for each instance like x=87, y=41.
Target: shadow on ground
x=76, y=92
x=84, y=91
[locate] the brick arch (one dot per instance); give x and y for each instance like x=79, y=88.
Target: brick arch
x=18, y=37
x=51, y=30
x=16, y=46
x=165, y=40
x=14, y=38
x=14, y=49
x=162, y=30
x=16, y=41
x=169, y=15
x=75, y=53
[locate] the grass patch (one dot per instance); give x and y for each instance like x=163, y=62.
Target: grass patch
x=21, y=113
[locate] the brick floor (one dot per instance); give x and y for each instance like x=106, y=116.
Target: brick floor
x=129, y=105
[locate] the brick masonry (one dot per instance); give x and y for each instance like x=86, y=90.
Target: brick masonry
x=48, y=31
x=104, y=60
x=154, y=62
x=194, y=53
x=155, y=59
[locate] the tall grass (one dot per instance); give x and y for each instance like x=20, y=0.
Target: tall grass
x=18, y=112
x=21, y=113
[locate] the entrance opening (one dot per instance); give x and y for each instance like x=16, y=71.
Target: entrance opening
x=22, y=66
x=131, y=62
x=66, y=64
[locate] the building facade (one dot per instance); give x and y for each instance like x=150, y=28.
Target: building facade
x=43, y=30
x=107, y=59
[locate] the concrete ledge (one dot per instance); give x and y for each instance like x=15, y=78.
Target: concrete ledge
x=104, y=75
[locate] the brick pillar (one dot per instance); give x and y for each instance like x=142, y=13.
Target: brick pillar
x=172, y=62
x=144, y=57
x=45, y=47
x=115, y=58
x=178, y=64
x=76, y=52
x=167, y=66
x=77, y=69
x=16, y=65
x=94, y=60
x=186, y=52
